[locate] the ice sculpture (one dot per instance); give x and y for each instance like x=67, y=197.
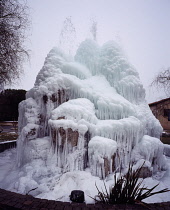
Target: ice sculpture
x=89, y=112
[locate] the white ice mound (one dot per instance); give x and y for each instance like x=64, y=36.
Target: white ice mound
x=102, y=152
x=91, y=111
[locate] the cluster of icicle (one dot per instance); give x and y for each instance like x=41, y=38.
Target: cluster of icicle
x=94, y=112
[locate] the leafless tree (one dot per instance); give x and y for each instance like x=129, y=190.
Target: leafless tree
x=162, y=80
x=13, y=24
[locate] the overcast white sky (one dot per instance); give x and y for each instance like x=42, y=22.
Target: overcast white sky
x=142, y=27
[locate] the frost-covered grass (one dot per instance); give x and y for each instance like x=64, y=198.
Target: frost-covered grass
x=51, y=184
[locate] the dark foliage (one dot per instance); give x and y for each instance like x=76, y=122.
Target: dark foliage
x=9, y=100
x=127, y=189
x=13, y=24
x=31, y=190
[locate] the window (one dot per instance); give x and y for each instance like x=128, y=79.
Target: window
x=167, y=113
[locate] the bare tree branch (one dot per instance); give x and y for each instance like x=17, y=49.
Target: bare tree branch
x=13, y=25
x=162, y=81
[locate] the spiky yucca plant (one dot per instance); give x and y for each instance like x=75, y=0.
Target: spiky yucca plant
x=127, y=189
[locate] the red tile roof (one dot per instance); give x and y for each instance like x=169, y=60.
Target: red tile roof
x=157, y=102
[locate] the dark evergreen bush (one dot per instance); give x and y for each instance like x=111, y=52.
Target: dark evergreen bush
x=9, y=100
x=127, y=189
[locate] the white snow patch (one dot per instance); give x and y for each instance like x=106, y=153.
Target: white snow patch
x=53, y=185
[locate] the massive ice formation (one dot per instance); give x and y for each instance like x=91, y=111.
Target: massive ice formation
x=89, y=112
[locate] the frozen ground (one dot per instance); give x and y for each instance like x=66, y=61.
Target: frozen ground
x=51, y=184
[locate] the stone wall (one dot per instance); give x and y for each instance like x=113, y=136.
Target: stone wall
x=158, y=109
x=7, y=145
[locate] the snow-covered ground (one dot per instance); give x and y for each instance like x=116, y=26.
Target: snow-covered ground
x=53, y=185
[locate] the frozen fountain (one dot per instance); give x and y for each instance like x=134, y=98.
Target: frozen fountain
x=89, y=112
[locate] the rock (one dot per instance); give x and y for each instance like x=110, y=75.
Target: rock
x=77, y=196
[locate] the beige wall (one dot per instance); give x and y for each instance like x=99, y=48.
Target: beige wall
x=158, y=111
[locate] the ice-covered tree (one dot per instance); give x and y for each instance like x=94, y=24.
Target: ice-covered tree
x=67, y=39
x=93, y=29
